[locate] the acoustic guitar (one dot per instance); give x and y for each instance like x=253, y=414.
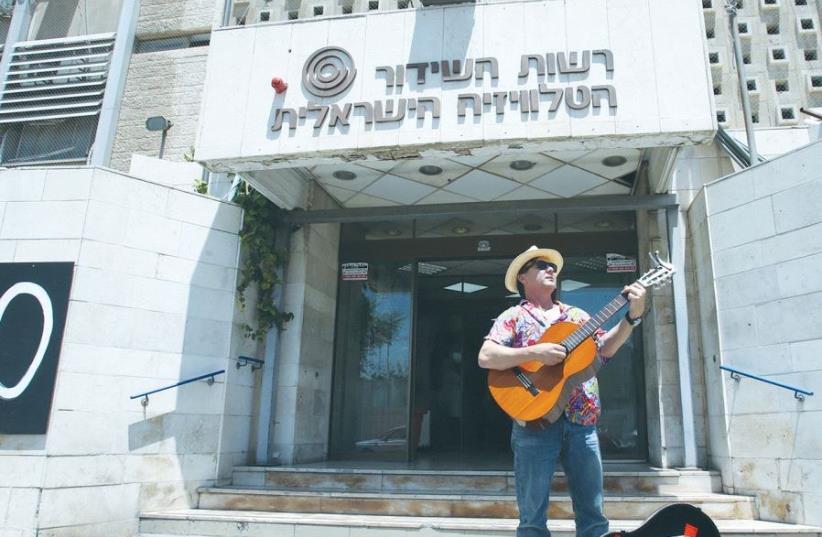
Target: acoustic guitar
x=534, y=390
x=675, y=520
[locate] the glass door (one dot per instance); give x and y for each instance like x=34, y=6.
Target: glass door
x=372, y=363
x=454, y=418
x=586, y=283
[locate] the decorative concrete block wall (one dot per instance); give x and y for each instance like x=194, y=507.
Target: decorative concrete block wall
x=763, y=227
x=781, y=48
x=152, y=303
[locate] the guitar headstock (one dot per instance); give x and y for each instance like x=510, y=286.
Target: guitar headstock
x=660, y=273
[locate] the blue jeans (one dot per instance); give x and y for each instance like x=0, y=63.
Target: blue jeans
x=535, y=456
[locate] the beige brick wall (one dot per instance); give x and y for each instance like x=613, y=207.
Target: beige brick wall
x=167, y=83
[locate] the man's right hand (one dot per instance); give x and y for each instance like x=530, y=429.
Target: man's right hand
x=548, y=353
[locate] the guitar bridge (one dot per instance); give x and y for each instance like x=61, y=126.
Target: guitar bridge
x=526, y=382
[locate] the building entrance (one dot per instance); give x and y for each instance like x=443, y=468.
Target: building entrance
x=453, y=415
x=407, y=386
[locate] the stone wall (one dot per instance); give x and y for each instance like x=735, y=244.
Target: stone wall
x=169, y=17
x=152, y=303
x=167, y=83
x=758, y=240
x=306, y=351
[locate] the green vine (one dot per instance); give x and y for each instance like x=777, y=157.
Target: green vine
x=261, y=260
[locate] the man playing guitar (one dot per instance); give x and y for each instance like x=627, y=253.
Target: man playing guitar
x=514, y=340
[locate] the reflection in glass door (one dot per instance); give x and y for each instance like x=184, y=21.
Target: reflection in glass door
x=586, y=283
x=373, y=342
x=453, y=416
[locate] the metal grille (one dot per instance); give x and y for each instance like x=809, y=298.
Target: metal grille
x=53, y=79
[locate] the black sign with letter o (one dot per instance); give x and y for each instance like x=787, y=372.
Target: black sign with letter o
x=33, y=305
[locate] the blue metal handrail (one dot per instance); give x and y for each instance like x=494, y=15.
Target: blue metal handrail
x=243, y=361
x=209, y=376
x=799, y=393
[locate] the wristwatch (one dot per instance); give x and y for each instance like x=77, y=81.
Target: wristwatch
x=632, y=322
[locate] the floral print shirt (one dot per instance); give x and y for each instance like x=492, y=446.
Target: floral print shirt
x=523, y=325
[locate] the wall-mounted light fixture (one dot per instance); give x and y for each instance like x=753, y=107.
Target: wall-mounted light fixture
x=159, y=123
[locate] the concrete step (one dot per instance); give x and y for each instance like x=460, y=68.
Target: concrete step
x=629, y=507
x=205, y=523
x=626, y=480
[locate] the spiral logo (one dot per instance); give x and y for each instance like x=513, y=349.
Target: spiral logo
x=328, y=72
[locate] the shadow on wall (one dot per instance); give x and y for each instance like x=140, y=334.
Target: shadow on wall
x=192, y=435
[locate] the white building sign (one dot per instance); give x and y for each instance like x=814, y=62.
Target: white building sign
x=457, y=79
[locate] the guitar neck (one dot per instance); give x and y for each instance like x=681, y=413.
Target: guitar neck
x=591, y=325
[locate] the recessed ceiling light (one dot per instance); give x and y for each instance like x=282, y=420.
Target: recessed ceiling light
x=532, y=227
x=428, y=169
x=393, y=232
x=461, y=230
x=614, y=160
x=344, y=175
x=572, y=285
x=466, y=287
x=522, y=165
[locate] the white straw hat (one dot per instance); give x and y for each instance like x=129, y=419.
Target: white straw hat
x=533, y=252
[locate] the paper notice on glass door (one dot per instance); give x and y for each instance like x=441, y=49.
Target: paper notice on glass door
x=354, y=271
x=620, y=263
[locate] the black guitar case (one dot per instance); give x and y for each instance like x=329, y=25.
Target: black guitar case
x=675, y=520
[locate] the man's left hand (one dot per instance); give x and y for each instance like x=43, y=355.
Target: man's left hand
x=635, y=293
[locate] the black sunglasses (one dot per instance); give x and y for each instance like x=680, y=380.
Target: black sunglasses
x=540, y=264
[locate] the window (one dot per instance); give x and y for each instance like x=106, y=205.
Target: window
x=781, y=86
x=717, y=89
x=720, y=116
x=778, y=54
x=709, y=33
x=172, y=43
x=787, y=113
x=713, y=57
x=806, y=24
x=373, y=4
x=810, y=55
x=751, y=84
x=318, y=10
x=65, y=140
x=772, y=29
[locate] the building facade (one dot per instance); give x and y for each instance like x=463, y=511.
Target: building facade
x=412, y=150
